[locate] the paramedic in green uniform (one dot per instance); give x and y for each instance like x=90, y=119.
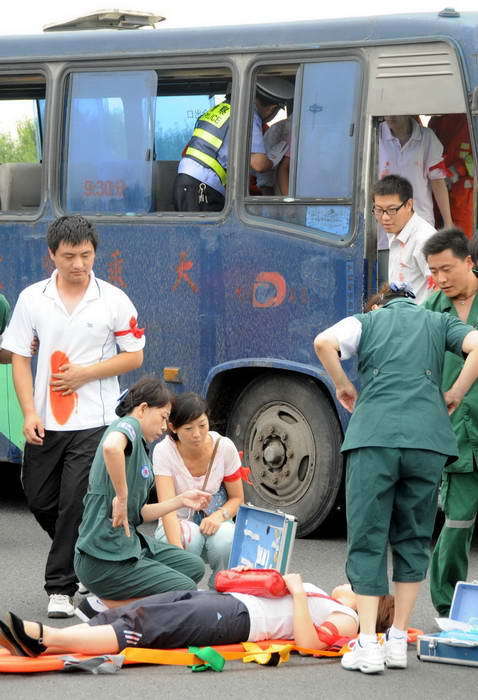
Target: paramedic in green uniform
x=397, y=442
x=451, y=267
x=115, y=561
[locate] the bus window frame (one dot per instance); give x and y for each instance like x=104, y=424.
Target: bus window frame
x=168, y=63
x=35, y=70
x=284, y=227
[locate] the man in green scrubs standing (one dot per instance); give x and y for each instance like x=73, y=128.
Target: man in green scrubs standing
x=451, y=266
x=398, y=440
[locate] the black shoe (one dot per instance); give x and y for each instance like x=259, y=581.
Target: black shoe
x=8, y=641
x=28, y=645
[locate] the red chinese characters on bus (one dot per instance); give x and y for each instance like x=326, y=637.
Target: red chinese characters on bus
x=115, y=269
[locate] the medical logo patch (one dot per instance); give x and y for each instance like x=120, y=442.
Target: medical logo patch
x=145, y=471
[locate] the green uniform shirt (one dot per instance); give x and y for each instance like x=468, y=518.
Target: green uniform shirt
x=465, y=419
x=401, y=355
x=4, y=313
x=97, y=537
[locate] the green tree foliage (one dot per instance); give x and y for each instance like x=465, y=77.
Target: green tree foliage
x=21, y=148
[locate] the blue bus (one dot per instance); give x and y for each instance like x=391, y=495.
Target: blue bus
x=231, y=300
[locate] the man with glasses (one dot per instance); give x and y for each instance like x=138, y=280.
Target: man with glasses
x=407, y=233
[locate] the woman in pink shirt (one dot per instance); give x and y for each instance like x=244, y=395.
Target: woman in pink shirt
x=193, y=454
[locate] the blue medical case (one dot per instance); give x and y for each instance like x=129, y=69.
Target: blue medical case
x=449, y=650
x=263, y=539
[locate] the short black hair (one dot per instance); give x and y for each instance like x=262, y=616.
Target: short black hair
x=72, y=230
x=473, y=246
x=184, y=409
x=447, y=239
x=150, y=390
x=393, y=184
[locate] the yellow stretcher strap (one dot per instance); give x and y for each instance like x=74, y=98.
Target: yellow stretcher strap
x=250, y=652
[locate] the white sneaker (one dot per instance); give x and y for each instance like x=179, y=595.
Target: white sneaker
x=368, y=659
x=60, y=606
x=395, y=653
x=82, y=589
x=89, y=607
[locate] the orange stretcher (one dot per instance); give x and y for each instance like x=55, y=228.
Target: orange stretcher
x=247, y=651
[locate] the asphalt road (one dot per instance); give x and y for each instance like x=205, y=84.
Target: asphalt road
x=320, y=558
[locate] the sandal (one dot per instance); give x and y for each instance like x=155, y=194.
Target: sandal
x=28, y=645
x=8, y=641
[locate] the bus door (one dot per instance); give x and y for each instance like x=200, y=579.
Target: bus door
x=422, y=81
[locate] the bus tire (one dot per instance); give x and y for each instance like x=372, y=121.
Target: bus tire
x=290, y=436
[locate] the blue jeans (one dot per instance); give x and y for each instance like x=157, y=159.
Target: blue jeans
x=213, y=549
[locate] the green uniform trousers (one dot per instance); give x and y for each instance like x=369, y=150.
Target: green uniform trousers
x=391, y=496
x=170, y=569
x=459, y=498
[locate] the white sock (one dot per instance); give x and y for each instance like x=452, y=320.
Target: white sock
x=395, y=633
x=367, y=639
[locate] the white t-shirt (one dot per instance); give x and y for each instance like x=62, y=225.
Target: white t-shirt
x=168, y=462
x=104, y=318
x=272, y=618
x=420, y=160
x=407, y=262
x=347, y=332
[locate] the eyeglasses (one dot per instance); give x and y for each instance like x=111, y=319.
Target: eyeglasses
x=378, y=212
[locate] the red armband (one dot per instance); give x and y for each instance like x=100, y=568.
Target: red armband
x=328, y=633
x=133, y=329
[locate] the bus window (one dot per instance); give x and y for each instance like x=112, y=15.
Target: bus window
x=110, y=138
x=127, y=132
x=22, y=111
x=313, y=182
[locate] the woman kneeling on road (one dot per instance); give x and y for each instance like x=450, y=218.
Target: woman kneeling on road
x=113, y=559
x=198, y=618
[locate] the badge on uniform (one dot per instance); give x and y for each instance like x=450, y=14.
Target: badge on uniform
x=145, y=473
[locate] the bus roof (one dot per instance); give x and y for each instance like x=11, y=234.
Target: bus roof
x=239, y=38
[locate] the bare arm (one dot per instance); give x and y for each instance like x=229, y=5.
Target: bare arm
x=327, y=350
x=115, y=462
x=305, y=632
x=193, y=498
x=172, y=527
x=211, y=524
x=442, y=199
x=33, y=428
x=468, y=374
x=72, y=377
x=283, y=175
x=260, y=162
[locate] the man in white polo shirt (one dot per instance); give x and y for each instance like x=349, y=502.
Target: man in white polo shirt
x=406, y=231
x=79, y=321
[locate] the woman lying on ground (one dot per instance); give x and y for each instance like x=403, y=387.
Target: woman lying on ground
x=184, y=618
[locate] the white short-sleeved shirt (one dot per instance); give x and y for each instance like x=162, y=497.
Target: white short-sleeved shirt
x=420, y=160
x=273, y=618
x=191, y=167
x=168, y=462
x=407, y=262
x=347, y=332
x=104, y=318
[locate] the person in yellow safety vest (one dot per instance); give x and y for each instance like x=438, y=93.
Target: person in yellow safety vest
x=200, y=184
